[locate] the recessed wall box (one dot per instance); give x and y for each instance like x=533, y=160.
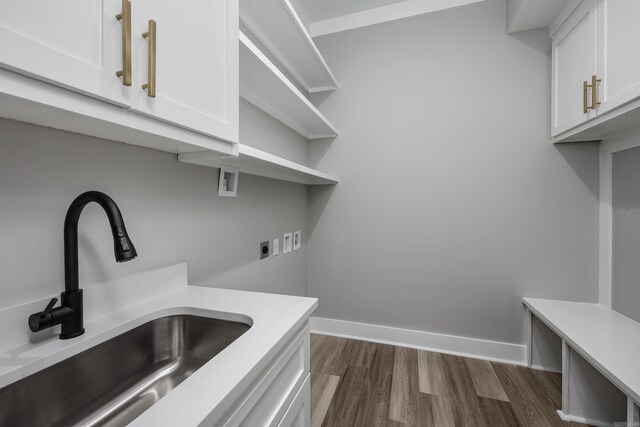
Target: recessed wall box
x=264, y=249
x=297, y=238
x=228, y=182
x=287, y=243
x=276, y=247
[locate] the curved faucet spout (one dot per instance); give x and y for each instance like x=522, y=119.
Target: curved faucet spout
x=122, y=246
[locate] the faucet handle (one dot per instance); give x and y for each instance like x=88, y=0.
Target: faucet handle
x=48, y=308
x=40, y=321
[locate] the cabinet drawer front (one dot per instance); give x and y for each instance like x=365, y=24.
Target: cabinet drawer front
x=267, y=402
x=299, y=413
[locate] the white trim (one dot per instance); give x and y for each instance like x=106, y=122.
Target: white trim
x=622, y=140
x=528, y=333
x=566, y=369
x=581, y=420
x=378, y=15
x=633, y=412
x=605, y=228
x=537, y=367
x=449, y=344
x=562, y=17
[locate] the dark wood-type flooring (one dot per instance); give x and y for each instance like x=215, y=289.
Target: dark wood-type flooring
x=358, y=383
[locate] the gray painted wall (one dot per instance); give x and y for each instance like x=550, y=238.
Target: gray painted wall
x=452, y=203
x=171, y=209
x=625, y=295
x=263, y=132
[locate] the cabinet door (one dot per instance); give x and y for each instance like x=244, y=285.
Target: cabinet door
x=72, y=43
x=618, y=63
x=573, y=62
x=196, y=64
x=299, y=413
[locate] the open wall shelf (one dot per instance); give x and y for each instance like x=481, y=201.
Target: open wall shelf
x=279, y=28
x=256, y=162
x=263, y=85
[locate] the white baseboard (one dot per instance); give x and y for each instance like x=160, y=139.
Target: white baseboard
x=553, y=369
x=581, y=420
x=449, y=344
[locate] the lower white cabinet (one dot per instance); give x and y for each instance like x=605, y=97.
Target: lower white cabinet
x=299, y=413
x=281, y=396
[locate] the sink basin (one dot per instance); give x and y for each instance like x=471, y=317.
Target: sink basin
x=114, y=382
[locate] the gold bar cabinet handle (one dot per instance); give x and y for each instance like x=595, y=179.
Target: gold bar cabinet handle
x=125, y=17
x=585, y=98
x=594, y=92
x=150, y=35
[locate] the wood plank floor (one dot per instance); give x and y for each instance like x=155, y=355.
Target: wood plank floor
x=358, y=383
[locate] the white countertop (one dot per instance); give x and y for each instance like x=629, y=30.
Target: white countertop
x=213, y=389
x=607, y=339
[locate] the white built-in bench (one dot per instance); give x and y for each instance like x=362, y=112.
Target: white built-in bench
x=598, y=352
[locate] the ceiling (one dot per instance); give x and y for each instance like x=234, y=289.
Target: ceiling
x=318, y=10
x=525, y=15
x=331, y=16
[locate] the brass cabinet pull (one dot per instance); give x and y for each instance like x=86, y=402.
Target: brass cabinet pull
x=594, y=92
x=150, y=86
x=125, y=17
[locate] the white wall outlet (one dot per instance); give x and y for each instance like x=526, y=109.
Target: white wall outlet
x=228, y=182
x=297, y=240
x=276, y=247
x=287, y=243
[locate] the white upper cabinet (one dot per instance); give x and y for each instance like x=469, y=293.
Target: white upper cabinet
x=595, y=71
x=76, y=44
x=618, y=64
x=192, y=77
x=573, y=65
x=187, y=61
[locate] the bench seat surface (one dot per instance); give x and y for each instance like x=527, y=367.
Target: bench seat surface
x=607, y=339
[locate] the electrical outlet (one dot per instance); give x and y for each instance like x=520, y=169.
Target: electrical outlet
x=297, y=240
x=264, y=249
x=276, y=247
x=287, y=243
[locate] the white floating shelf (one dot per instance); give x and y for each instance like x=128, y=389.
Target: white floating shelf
x=280, y=30
x=256, y=162
x=263, y=85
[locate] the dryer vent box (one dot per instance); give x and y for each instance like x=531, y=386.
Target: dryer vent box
x=228, y=182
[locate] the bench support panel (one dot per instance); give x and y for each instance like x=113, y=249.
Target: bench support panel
x=545, y=347
x=633, y=413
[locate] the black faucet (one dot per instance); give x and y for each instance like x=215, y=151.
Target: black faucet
x=69, y=314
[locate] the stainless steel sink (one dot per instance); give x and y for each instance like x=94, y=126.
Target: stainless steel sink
x=114, y=382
